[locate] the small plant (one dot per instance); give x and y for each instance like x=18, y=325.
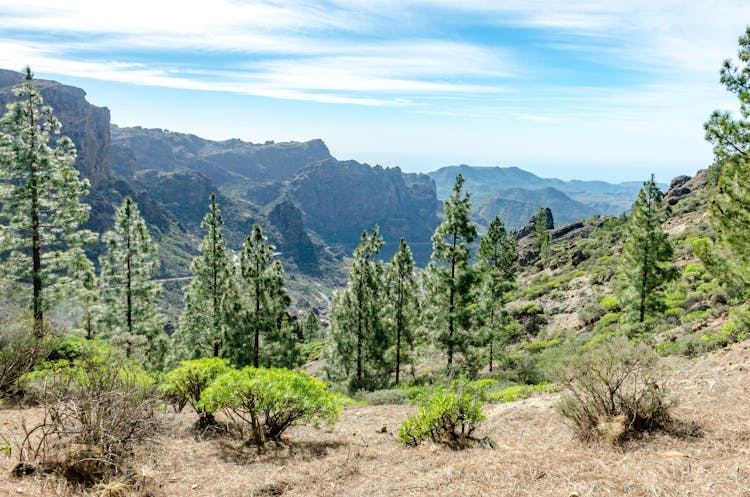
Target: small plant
x=270, y=400
x=447, y=417
x=185, y=384
x=614, y=390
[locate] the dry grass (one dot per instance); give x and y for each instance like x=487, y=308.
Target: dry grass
x=536, y=454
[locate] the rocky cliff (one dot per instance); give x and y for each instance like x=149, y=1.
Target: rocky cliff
x=85, y=124
x=342, y=198
x=222, y=161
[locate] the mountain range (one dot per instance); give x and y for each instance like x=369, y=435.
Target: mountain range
x=310, y=204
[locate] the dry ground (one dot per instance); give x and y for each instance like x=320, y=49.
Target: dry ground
x=535, y=455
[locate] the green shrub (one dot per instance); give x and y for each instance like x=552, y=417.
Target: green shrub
x=614, y=390
x=270, y=400
x=313, y=350
x=606, y=321
x=518, y=392
x=446, y=416
x=610, y=303
x=185, y=384
x=693, y=316
x=92, y=366
x=382, y=397
x=540, y=345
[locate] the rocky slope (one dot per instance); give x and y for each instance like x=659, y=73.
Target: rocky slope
x=85, y=124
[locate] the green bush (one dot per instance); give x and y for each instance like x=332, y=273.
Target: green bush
x=382, y=397
x=448, y=417
x=185, y=384
x=270, y=400
x=540, y=345
x=607, y=321
x=614, y=390
x=610, y=303
x=518, y=392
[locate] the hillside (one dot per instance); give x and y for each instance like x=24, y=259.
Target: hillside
x=572, y=293
x=535, y=454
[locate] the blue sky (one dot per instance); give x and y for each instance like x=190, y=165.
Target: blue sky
x=611, y=90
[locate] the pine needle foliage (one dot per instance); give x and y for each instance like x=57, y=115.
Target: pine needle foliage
x=449, y=279
x=645, y=265
x=210, y=296
x=40, y=194
x=359, y=338
x=403, y=305
x=129, y=314
x=496, y=259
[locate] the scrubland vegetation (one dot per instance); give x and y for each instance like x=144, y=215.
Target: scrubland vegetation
x=593, y=325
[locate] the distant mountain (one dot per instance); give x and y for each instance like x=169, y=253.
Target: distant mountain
x=602, y=197
x=516, y=206
x=224, y=162
x=336, y=200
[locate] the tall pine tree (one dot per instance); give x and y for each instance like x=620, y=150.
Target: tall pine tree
x=542, y=237
x=359, y=339
x=645, y=265
x=401, y=287
x=449, y=279
x=210, y=296
x=40, y=192
x=264, y=300
x=129, y=315
x=496, y=260
x=729, y=212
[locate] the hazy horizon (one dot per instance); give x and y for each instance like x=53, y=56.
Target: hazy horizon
x=610, y=91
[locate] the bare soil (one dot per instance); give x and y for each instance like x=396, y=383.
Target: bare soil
x=535, y=454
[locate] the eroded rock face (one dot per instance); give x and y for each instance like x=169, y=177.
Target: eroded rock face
x=295, y=242
x=340, y=199
x=528, y=228
x=87, y=125
x=682, y=186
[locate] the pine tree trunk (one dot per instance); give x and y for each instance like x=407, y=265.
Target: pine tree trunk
x=36, y=255
x=256, y=348
x=399, y=328
x=451, y=305
x=128, y=283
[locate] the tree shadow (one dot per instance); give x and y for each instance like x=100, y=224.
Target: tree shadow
x=243, y=452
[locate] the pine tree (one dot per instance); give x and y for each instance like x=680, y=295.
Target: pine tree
x=542, y=237
x=449, y=280
x=311, y=329
x=40, y=192
x=729, y=212
x=401, y=285
x=129, y=315
x=359, y=339
x=496, y=263
x=264, y=300
x=645, y=265
x=211, y=295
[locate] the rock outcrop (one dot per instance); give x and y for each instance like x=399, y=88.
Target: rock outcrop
x=85, y=124
x=682, y=186
x=295, y=243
